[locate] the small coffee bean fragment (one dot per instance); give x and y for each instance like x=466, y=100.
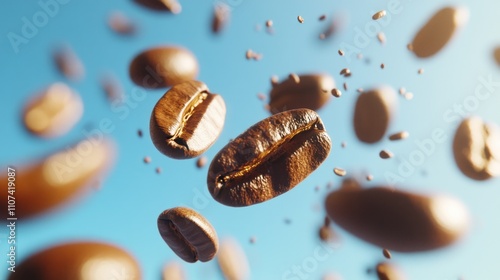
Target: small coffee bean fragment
x=188, y=234
x=386, y=253
x=336, y=92
x=399, y=136
x=201, y=162
x=300, y=19
x=381, y=37
x=68, y=63
x=147, y=160
x=385, y=154
x=379, y=15
x=220, y=18
x=339, y=171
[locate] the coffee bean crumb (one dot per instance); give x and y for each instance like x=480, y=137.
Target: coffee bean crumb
x=261, y=96
x=381, y=37
x=322, y=17
x=139, y=133
x=387, y=254
x=202, y=161
x=369, y=177
x=269, y=23
x=300, y=19
x=345, y=86
x=420, y=71
x=379, y=15
x=384, y=154
x=337, y=93
x=343, y=144
x=341, y=52
x=408, y=96
x=382, y=66
x=158, y=170
x=399, y=136
x=147, y=160
x=339, y=171
x=253, y=239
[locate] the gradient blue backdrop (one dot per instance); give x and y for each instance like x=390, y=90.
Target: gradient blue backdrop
x=125, y=210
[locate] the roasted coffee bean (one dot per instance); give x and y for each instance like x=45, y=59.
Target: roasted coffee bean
x=220, y=17
x=163, y=67
x=188, y=234
x=389, y=271
x=399, y=136
x=386, y=253
x=60, y=177
x=312, y=92
x=438, y=31
x=53, y=112
x=121, y=24
x=161, y=5
x=232, y=261
x=476, y=148
x=187, y=120
x=269, y=159
x=379, y=15
x=79, y=261
x=373, y=113
x=173, y=271
x=397, y=220
x=68, y=63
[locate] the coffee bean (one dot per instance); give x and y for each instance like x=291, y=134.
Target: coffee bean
x=53, y=112
x=341, y=52
x=496, y=55
x=162, y=67
x=269, y=23
x=188, y=234
x=438, y=31
x=78, y=260
x=60, y=177
x=386, y=253
x=337, y=93
x=379, y=14
x=373, y=113
x=121, y=24
x=381, y=37
x=339, y=172
x=114, y=91
x=232, y=261
x=221, y=17
x=269, y=159
x=385, y=154
x=187, y=120
x=161, y=5
x=313, y=92
x=173, y=271
x=398, y=220
x=68, y=63
x=322, y=17
x=201, y=162
x=300, y=19
x=476, y=148
x=399, y=136
x=389, y=271
x=345, y=72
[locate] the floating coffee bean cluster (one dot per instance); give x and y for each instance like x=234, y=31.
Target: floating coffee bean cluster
x=267, y=160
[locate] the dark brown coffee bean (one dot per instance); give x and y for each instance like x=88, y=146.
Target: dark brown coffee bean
x=476, y=148
x=397, y=220
x=53, y=112
x=79, y=261
x=269, y=159
x=163, y=67
x=60, y=177
x=389, y=271
x=326, y=234
x=161, y=5
x=386, y=253
x=312, y=92
x=187, y=120
x=188, y=234
x=373, y=113
x=438, y=31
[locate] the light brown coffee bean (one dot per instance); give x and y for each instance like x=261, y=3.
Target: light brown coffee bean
x=373, y=113
x=187, y=120
x=121, y=24
x=79, y=261
x=496, y=55
x=60, y=177
x=389, y=271
x=173, y=271
x=399, y=136
x=188, y=234
x=269, y=159
x=300, y=19
x=379, y=15
x=476, y=148
x=398, y=220
x=163, y=67
x=438, y=31
x=221, y=16
x=233, y=261
x=68, y=63
x=386, y=253
x=53, y=112
x=313, y=92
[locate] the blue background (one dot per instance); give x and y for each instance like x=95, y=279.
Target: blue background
x=125, y=210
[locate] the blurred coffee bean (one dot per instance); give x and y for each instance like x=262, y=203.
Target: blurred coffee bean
x=232, y=261
x=53, y=112
x=476, y=148
x=187, y=120
x=269, y=159
x=173, y=271
x=188, y=234
x=221, y=15
x=373, y=114
x=389, y=271
x=311, y=92
x=172, y=6
x=60, y=177
x=79, y=261
x=68, y=63
x=397, y=220
x=438, y=31
x=163, y=67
